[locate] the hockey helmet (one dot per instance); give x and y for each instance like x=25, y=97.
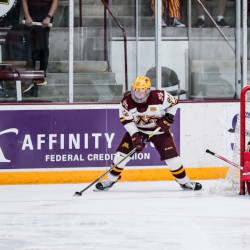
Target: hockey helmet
x=141, y=89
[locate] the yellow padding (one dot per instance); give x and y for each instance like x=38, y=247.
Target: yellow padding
x=89, y=176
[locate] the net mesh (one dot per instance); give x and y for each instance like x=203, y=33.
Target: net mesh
x=231, y=184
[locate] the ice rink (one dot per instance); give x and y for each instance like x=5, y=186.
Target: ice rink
x=132, y=215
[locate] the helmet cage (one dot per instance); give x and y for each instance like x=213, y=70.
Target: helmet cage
x=141, y=89
x=136, y=95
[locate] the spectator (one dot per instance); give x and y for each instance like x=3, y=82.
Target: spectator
x=173, y=7
x=221, y=6
x=39, y=11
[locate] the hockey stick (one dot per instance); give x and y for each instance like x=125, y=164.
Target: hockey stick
x=129, y=154
x=224, y=159
x=38, y=23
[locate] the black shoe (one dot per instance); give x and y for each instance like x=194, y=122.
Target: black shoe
x=104, y=185
x=222, y=23
x=199, y=23
x=191, y=186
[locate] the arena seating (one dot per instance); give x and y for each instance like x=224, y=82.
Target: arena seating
x=11, y=72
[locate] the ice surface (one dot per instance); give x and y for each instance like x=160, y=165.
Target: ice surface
x=132, y=215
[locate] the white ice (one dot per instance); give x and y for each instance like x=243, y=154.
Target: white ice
x=132, y=215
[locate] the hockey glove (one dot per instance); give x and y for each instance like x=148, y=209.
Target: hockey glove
x=164, y=123
x=137, y=141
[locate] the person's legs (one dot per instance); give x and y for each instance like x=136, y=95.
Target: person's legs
x=220, y=14
x=221, y=7
x=153, y=8
x=44, y=52
x=123, y=149
x=201, y=15
x=162, y=12
x=174, y=12
x=200, y=9
x=165, y=145
x=174, y=8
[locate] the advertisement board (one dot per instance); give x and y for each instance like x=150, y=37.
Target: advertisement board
x=32, y=139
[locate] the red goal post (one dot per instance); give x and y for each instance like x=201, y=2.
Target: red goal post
x=245, y=139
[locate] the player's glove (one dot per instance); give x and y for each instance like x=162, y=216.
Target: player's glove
x=164, y=123
x=137, y=141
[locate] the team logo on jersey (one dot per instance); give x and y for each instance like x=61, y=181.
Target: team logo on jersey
x=152, y=109
x=125, y=145
x=160, y=96
x=125, y=113
x=125, y=104
x=146, y=119
x=6, y=6
x=169, y=148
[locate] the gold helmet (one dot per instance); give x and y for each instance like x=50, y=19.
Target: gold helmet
x=141, y=89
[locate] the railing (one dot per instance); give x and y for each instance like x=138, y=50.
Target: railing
x=80, y=12
x=106, y=7
x=215, y=24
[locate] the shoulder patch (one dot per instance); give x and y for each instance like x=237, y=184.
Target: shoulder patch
x=128, y=103
x=156, y=97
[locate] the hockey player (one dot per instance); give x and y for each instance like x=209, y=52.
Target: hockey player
x=141, y=112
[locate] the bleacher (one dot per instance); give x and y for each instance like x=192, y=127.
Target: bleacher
x=95, y=80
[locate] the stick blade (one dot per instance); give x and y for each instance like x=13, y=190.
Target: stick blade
x=78, y=194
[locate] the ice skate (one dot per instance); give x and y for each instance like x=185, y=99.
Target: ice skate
x=191, y=186
x=104, y=185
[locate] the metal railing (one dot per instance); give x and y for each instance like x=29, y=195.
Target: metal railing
x=80, y=12
x=106, y=8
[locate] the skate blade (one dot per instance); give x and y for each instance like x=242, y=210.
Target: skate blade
x=98, y=190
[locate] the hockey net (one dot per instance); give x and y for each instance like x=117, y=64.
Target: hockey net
x=237, y=181
x=245, y=140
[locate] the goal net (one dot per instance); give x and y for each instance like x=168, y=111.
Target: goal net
x=238, y=181
x=245, y=140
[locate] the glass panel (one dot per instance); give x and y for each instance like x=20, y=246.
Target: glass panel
x=197, y=62
x=212, y=51
x=121, y=44
x=174, y=47
x=99, y=49
x=34, y=58
x=146, y=41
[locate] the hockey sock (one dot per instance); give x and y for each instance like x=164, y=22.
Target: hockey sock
x=115, y=173
x=177, y=170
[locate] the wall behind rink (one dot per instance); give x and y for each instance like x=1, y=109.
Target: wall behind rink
x=76, y=143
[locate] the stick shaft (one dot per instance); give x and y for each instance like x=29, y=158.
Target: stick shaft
x=129, y=154
x=224, y=159
x=91, y=184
